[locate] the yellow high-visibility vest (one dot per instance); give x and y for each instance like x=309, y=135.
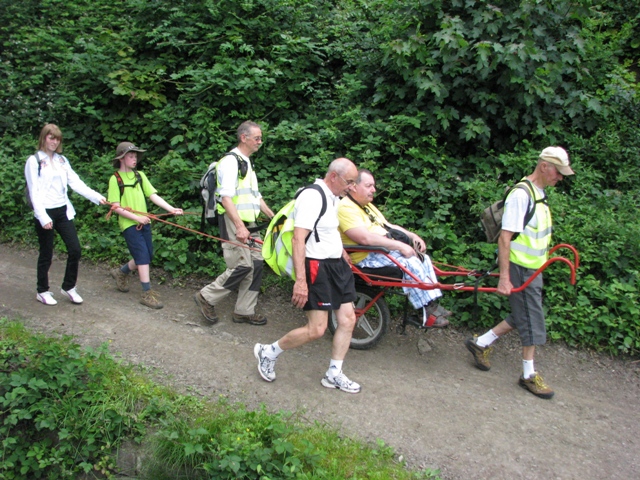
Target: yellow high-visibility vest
x=246, y=200
x=531, y=248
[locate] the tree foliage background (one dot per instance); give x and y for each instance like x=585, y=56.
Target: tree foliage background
x=445, y=101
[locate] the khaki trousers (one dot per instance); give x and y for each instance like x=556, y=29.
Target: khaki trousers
x=243, y=273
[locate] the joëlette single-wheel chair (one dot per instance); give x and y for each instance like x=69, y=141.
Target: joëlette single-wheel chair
x=372, y=310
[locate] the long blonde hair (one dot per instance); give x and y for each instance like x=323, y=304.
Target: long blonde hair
x=50, y=128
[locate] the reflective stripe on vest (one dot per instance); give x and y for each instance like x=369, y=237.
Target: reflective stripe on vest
x=531, y=248
x=246, y=199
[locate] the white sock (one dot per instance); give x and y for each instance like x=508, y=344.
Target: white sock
x=527, y=368
x=487, y=339
x=335, y=367
x=273, y=351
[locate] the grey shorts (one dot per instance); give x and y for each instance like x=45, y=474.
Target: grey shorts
x=526, y=314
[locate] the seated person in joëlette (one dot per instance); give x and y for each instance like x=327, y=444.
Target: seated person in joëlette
x=361, y=223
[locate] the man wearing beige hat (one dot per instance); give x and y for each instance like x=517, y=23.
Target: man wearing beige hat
x=522, y=249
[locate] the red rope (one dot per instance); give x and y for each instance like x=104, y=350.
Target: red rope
x=156, y=217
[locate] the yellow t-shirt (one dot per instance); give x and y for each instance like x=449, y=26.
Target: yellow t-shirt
x=351, y=216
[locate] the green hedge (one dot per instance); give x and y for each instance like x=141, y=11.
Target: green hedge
x=446, y=102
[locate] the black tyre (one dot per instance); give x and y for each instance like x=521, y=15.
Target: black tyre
x=372, y=325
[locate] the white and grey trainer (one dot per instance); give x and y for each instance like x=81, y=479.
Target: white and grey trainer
x=341, y=382
x=266, y=365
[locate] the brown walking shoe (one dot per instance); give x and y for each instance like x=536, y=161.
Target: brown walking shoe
x=151, y=300
x=253, y=319
x=121, y=278
x=480, y=354
x=208, y=311
x=536, y=385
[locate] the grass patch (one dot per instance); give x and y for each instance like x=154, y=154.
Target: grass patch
x=65, y=411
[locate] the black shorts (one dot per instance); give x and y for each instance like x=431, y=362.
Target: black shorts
x=330, y=282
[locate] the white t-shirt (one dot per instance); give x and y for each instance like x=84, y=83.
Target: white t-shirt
x=305, y=213
x=515, y=209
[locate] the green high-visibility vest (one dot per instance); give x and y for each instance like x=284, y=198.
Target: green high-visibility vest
x=531, y=248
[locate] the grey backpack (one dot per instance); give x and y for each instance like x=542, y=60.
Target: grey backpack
x=491, y=218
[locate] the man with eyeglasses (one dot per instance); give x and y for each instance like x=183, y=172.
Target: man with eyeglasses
x=324, y=281
x=361, y=223
x=238, y=209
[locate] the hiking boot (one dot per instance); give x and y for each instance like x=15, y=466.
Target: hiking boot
x=46, y=298
x=266, y=366
x=480, y=354
x=341, y=382
x=121, y=278
x=208, y=311
x=72, y=295
x=253, y=319
x=151, y=300
x=536, y=385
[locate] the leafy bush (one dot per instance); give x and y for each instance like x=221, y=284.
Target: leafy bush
x=63, y=410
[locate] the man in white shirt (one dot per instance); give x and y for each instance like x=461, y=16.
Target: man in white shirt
x=239, y=207
x=522, y=249
x=324, y=281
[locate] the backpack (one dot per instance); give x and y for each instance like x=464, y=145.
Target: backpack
x=277, y=248
x=121, y=184
x=491, y=218
x=209, y=185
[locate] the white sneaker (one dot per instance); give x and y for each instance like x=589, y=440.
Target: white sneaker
x=266, y=366
x=340, y=382
x=46, y=298
x=72, y=295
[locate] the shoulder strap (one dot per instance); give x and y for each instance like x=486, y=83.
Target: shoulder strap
x=530, y=190
x=372, y=217
x=323, y=209
x=243, y=166
x=121, y=184
x=39, y=160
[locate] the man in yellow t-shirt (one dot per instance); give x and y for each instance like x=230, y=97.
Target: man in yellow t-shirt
x=361, y=223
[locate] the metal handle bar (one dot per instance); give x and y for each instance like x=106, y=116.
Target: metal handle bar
x=381, y=281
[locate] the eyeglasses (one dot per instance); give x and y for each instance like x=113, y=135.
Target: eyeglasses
x=348, y=183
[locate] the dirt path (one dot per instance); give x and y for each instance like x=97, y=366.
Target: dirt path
x=420, y=393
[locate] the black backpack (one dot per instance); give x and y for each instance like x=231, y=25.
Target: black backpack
x=208, y=186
